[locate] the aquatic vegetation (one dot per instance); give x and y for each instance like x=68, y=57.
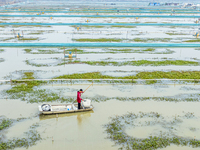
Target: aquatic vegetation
x=24, y=86
x=140, y=75
x=118, y=124
x=7, y=39
x=98, y=40
x=32, y=137
x=5, y=123
x=28, y=91
x=195, y=40
x=136, y=63
x=175, y=33
x=38, y=32
x=90, y=75
x=152, y=39
x=28, y=39
x=1, y=50
x=28, y=50
x=35, y=64
x=149, y=49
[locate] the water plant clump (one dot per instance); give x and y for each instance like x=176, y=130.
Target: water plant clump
x=32, y=136
x=1, y=50
x=5, y=123
x=194, y=40
x=28, y=39
x=24, y=86
x=116, y=130
x=28, y=91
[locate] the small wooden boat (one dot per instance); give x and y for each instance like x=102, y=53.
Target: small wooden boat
x=48, y=109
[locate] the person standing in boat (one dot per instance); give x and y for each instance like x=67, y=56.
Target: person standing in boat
x=79, y=98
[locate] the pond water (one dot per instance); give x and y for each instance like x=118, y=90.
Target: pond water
x=86, y=130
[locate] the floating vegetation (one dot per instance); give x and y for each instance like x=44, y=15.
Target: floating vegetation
x=28, y=50
x=7, y=39
x=98, y=40
x=28, y=62
x=1, y=50
x=28, y=91
x=35, y=64
x=38, y=32
x=170, y=33
x=5, y=123
x=28, y=39
x=136, y=63
x=55, y=51
x=195, y=40
x=140, y=75
x=116, y=130
x=152, y=39
x=32, y=137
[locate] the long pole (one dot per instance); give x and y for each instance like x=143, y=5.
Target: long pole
x=87, y=87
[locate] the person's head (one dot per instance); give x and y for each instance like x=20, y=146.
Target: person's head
x=81, y=90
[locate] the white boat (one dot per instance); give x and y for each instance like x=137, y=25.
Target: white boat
x=48, y=109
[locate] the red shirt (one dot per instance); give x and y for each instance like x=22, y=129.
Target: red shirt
x=79, y=97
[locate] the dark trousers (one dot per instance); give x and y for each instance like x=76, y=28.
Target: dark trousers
x=79, y=105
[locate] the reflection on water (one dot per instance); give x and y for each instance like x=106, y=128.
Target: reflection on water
x=57, y=116
x=83, y=117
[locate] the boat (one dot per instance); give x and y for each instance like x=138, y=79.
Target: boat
x=48, y=109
